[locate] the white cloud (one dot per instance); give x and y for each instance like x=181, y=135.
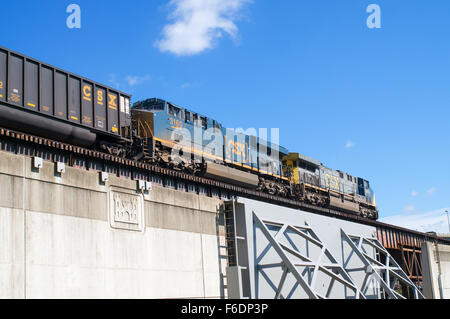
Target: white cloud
x=113, y=81
x=350, y=144
x=431, y=221
x=197, y=24
x=414, y=193
x=409, y=208
x=133, y=80
x=186, y=85
x=432, y=190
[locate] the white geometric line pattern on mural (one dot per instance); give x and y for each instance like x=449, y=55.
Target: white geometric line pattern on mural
x=301, y=263
x=375, y=269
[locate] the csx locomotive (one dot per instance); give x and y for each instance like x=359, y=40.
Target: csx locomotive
x=243, y=159
x=43, y=100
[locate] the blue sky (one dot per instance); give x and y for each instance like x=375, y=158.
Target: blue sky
x=372, y=102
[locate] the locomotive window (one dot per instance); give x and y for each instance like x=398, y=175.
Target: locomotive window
x=203, y=119
x=195, y=117
x=341, y=175
x=349, y=178
x=306, y=166
x=187, y=116
x=174, y=111
x=153, y=106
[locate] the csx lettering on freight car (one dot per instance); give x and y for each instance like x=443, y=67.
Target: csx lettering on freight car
x=100, y=97
x=112, y=101
x=87, y=92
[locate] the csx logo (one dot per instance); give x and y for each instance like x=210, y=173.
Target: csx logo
x=332, y=181
x=237, y=148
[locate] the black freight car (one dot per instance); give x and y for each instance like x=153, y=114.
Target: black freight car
x=41, y=99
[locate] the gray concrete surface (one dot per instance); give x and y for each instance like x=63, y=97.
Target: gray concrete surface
x=436, y=271
x=70, y=236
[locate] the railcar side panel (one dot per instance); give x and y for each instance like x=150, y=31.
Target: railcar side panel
x=87, y=106
x=31, y=85
x=61, y=95
x=15, y=80
x=125, y=116
x=113, y=112
x=3, y=65
x=47, y=83
x=100, y=109
x=74, y=99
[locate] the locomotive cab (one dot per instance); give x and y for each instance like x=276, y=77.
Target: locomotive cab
x=365, y=191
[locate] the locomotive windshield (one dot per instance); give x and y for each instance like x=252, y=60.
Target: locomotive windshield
x=174, y=111
x=150, y=104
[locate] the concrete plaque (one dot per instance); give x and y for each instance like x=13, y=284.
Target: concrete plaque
x=126, y=211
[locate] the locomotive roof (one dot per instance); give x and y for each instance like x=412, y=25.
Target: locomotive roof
x=157, y=100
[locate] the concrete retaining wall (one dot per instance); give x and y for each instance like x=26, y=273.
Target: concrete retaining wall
x=435, y=261
x=71, y=236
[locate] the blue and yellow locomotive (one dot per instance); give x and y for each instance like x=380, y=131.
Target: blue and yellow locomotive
x=317, y=184
x=187, y=141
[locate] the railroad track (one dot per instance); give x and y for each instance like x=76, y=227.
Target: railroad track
x=27, y=144
x=231, y=189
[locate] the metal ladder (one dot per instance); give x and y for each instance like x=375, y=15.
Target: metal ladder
x=230, y=233
x=230, y=240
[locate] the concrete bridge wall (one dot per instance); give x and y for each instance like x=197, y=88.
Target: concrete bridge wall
x=436, y=270
x=69, y=236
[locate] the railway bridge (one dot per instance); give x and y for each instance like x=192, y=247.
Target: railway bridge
x=75, y=223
